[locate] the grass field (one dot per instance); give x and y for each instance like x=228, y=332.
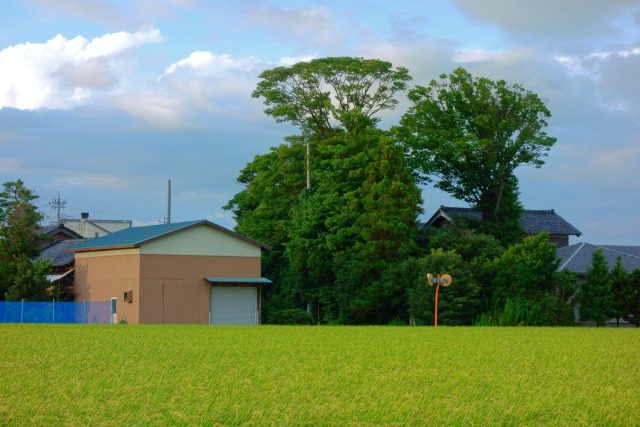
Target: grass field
x=127, y=375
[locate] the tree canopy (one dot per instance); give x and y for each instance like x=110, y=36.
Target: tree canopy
x=326, y=95
x=470, y=134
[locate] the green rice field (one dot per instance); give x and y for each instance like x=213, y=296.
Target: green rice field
x=161, y=375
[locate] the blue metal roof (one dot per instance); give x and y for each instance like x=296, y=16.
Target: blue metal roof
x=135, y=236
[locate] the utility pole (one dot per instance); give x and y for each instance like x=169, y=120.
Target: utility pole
x=58, y=204
x=169, y=203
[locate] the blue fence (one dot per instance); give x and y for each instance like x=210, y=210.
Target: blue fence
x=55, y=312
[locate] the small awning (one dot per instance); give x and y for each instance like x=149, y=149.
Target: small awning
x=55, y=277
x=238, y=280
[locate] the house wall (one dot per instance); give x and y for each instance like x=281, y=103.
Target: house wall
x=99, y=276
x=173, y=289
x=559, y=241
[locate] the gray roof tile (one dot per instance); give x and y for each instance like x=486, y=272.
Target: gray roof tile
x=56, y=252
x=577, y=257
x=532, y=221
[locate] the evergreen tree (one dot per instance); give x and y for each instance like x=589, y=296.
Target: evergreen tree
x=634, y=310
x=458, y=304
x=19, y=244
x=597, y=296
x=526, y=275
x=359, y=218
x=622, y=291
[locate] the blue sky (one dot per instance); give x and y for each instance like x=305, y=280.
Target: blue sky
x=104, y=101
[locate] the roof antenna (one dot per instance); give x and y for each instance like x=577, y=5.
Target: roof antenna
x=169, y=204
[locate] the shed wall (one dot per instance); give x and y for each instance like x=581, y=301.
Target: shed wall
x=172, y=288
x=99, y=278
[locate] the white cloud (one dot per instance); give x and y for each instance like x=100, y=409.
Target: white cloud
x=46, y=75
x=590, y=64
x=204, y=63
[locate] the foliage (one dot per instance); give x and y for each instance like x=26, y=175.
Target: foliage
x=333, y=241
x=458, y=303
x=527, y=274
x=147, y=375
x=29, y=280
x=315, y=95
x=291, y=316
x=565, y=302
x=634, y=310
x=467, y=241
x=470, y=134
x=622, y=291
x=597, y=297
x=359, y=218
x=19, y=243
x=263, y=210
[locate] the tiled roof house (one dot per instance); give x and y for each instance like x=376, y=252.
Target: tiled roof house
x=532, y=222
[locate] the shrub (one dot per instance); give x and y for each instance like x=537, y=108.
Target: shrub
x=292, y=316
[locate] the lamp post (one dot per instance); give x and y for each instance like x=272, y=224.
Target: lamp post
x=445, y=280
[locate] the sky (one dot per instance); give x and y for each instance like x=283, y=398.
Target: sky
x=104, y=101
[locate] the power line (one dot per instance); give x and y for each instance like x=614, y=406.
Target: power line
x=58, y=205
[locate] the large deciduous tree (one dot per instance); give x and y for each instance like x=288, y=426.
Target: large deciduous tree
x=327, y=95
x=470, y=134
x=359, y=214
x=19, y=244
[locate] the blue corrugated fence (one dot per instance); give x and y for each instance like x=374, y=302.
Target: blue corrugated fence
x=55, y=312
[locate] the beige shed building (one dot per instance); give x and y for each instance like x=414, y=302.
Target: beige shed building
x=190, y=272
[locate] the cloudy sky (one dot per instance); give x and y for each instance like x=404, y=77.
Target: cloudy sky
x=105, y=100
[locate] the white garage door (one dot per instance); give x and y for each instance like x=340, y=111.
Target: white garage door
x=233, y=305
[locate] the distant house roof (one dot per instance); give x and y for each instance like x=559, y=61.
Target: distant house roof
x=577, y=258
x=52, y=230
x=57, y=252
x=532, y=221
x=96, y=227
x=136, y=236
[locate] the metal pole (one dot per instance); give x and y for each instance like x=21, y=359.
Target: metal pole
x=22, y=310
x=53, y=314
x=436, y=312
x=169, y=204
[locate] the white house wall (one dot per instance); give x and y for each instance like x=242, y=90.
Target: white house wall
x=201, y=240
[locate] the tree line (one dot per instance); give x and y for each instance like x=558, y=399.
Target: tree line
x=339, y=203
x=339, y=200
